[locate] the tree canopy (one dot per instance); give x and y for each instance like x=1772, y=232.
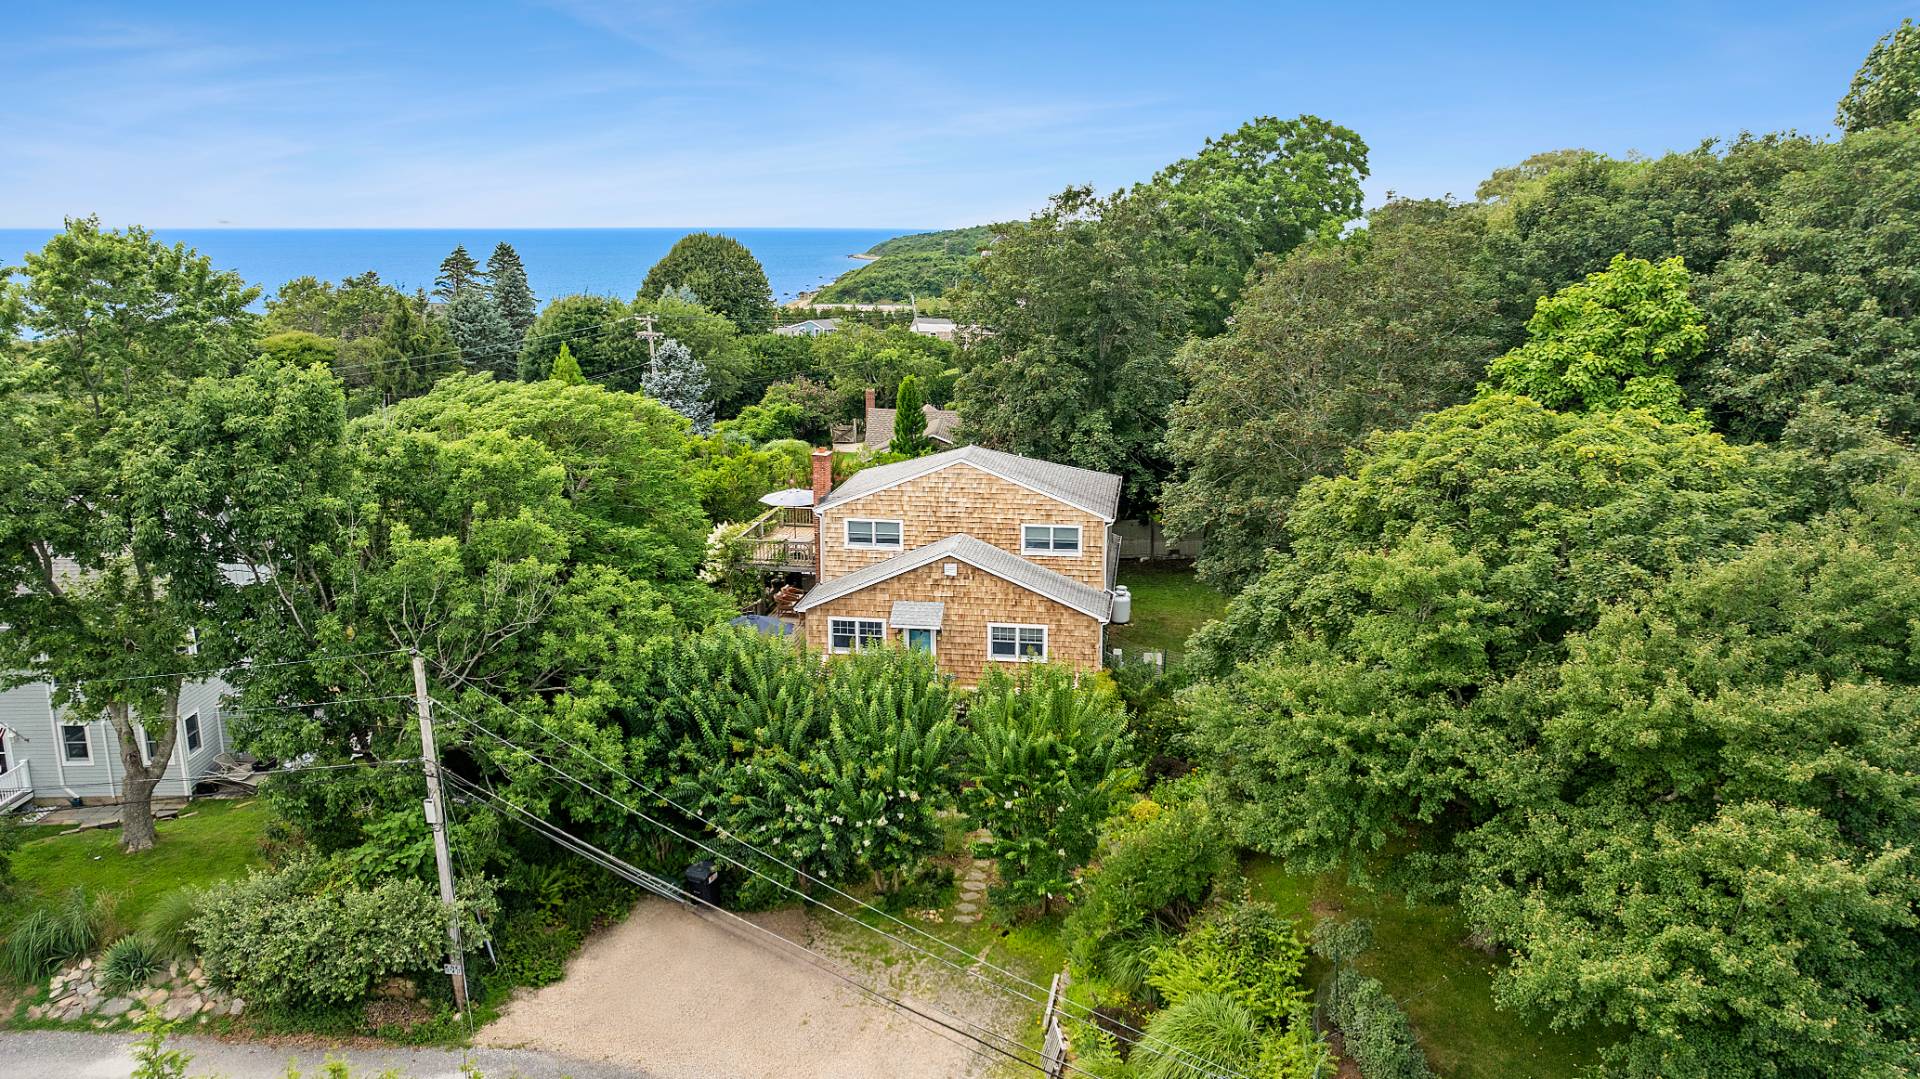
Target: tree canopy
x=723, y=274
x=1886, y=90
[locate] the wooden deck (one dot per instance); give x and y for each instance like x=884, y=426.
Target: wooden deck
x=784, y=540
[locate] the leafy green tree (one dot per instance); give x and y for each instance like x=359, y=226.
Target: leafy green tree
x=1886, y=90
x=1488, y=531
x=675, y=379
x=508, y=278
x=565, y=368
x=853, y=359
x=358, y=307
x=722, y=273
x=524, y=536
x=1085, y=308
x=1330, y=344
x=713, y=340
x=1567, y=218
x=1505, y=182
x=1265, y=188
x=910, y=420
x=1046, y=763
x=597, y=330
x=486, y=340
x=458, y=272
x=100, y=599
x=1616, y=341
x=1816, y=299
x=412, y=350
x=297, y=348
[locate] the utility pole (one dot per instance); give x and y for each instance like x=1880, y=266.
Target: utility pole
x=437, y=821
x=651, y=336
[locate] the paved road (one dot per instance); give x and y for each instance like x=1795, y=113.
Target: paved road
x=48, y=1054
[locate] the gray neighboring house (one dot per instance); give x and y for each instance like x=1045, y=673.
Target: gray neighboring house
x=812, y=327
x=48, y=755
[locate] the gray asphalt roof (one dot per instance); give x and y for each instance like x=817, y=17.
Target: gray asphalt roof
x=985, y=556
x=916, y=614
x=1095, y=492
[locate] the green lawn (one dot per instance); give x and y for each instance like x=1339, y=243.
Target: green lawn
x=1420, y=954
x=221, y=839
x=1169, y=603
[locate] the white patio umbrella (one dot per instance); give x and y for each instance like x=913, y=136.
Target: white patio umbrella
x=791, y=498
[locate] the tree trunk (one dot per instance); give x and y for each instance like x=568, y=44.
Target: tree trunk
x=136, y=799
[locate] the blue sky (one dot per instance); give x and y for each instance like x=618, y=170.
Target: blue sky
x=598, y=113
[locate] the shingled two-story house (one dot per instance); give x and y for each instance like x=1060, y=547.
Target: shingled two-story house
x=978, y=556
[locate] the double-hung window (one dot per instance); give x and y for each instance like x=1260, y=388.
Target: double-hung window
x=1050, y=539
x=1016, y=644
x=192, y=724
x=862, y=532
x=75, y=747
x=855, y=634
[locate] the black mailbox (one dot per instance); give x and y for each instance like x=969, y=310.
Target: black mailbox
x=703, y=882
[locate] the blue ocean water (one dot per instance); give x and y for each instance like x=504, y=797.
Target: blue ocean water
x=559, y=261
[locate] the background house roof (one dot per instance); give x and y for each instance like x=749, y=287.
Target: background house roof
x=1005, y=565
x=1096, y=492
x=942, y=423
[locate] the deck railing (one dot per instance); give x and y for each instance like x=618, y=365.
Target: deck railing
x=16, y=784
x=783, y=539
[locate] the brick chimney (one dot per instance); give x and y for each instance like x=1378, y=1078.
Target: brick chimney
x=822, y=483
x=870, y=394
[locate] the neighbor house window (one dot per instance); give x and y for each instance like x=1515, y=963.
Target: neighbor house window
x=1049, y=539
x=192, y=724
x=864, y=533
x=854, y=634
x=1017, y=643
x=74, y=744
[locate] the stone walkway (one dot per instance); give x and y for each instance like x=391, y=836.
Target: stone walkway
x=973, y=885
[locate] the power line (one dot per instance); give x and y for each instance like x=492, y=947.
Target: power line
x=115, y=789
x=625, y=870
x=249, y=665
x=1141, y=1042
x=1138, y=1037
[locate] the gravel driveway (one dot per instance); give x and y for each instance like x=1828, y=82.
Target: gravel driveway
x=686, y=996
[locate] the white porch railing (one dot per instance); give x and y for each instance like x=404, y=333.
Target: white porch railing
x=16, y=785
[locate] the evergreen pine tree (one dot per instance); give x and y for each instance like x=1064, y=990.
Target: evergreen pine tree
x=910, y=420
x=510, y=289
x=565, y=368
x=457, y=272
x=482, y=334
x=678, y=381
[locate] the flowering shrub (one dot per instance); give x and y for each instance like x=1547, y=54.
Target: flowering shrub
x=1048, y=760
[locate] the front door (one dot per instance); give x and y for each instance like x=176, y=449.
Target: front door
x=920, y=640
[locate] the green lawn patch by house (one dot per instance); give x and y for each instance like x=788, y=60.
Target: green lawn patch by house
x=1169, y=603
x=221, y=839
x=1420, y=953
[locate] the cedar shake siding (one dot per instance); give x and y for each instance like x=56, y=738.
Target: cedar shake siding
x=973, y=599
x=962, y=498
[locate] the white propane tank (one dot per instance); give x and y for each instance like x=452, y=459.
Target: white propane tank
x=1122, y=605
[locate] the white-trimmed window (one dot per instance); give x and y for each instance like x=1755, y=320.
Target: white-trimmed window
x=192, y=725
x=919, y=639
x=1050, y=539
x=1016, y=643
x=855, y=634
x=864, y=532
x=76, y=746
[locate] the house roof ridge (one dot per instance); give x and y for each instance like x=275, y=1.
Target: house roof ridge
x=1004, y=564
x=1083, y=488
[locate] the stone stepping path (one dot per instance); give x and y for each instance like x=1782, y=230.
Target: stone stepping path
x=973, y=884
x=180, y=992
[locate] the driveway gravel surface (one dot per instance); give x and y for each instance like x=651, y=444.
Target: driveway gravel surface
x=683, y=995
